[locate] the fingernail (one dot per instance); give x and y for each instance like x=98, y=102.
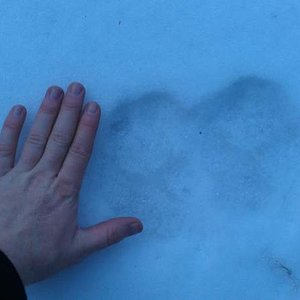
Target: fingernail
x=92, y=108
x=55, y=93
x=135, y=228
x=76, y=89
x=18, y=111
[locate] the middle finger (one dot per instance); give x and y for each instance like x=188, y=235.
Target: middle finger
x=64, y=129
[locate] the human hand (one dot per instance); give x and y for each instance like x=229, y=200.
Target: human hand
x=39, y=195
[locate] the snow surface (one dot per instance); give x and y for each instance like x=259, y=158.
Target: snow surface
x=199, y=138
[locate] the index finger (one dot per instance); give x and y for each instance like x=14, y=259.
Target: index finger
x=80, y=151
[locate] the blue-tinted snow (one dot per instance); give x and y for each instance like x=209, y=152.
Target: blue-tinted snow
x=199, y=138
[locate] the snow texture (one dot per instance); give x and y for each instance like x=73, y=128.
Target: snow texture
x=199, y=138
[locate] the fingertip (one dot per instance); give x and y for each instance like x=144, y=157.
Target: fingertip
x=76, y=88
x=55, y=92
x=135, y=228
x=135, y=220
x=19, y=110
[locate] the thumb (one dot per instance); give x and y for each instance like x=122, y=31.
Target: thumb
x=90, y=239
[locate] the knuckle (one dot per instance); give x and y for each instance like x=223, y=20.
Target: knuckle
x=66, y=188
x=39, y=177
x=89, y=122
x=9, y=124
x=69, y=105
x=79, y=150
x=113, y=236
x=36, y=140
x=6, y=150
x=47, y=109
x=60, y=138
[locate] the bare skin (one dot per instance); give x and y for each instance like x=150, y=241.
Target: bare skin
x=39, y=195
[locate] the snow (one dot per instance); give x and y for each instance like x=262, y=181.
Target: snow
x=199, y=138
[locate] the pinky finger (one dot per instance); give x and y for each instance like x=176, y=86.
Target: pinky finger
x=9, y=138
